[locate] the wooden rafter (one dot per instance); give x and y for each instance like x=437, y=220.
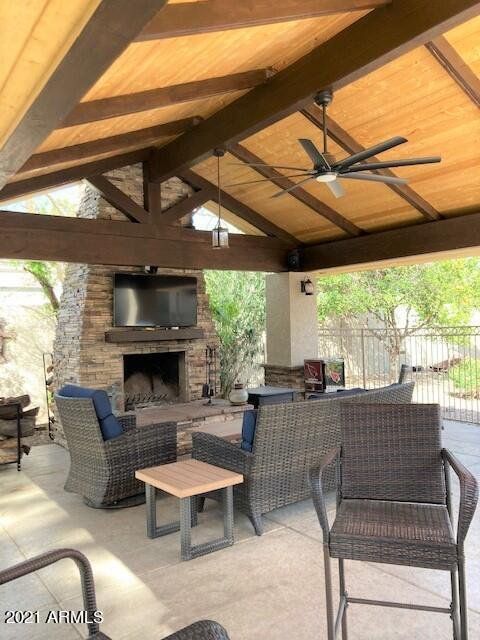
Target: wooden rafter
x=41, y=237
x=105, y=108
x=108, y=32
x=152, y=196
x=239, y=208
x=456, y=67
x=277, y=178
x=349, y=144
x=219, y=15
x=15, y=190
x=185, y=206
x=366, y=45
x=114, y=144
x=458, y=233
x=118, y=199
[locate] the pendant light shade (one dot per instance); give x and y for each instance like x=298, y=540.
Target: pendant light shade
x=220, y=233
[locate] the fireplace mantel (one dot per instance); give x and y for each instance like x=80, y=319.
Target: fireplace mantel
x=153, y=335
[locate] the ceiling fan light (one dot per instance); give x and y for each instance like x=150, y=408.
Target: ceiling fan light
x=329, y=176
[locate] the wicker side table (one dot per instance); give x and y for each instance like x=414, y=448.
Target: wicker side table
x=186, y=480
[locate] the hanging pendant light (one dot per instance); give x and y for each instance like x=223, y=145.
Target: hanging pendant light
x=219, y=233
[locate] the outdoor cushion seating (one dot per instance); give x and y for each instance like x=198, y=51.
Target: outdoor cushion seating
x=202, y=630
x=109, y=425
x=248, y=429
x=289, y=439
x=103, y=471
x=393, y=502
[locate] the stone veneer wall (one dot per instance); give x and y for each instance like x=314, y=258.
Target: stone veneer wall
x=279, y=376
x=81, y=354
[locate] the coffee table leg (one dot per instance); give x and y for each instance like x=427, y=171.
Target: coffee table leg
x=228, y=515
x=186, y=528
x=153, y=531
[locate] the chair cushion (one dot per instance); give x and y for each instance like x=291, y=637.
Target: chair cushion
x=248, y=429
x=340, y=393
x=109, y=425
x=407, y=533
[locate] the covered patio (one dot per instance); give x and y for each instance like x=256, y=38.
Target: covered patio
x=267, y=115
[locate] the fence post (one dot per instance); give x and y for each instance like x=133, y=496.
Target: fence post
x=362, y=331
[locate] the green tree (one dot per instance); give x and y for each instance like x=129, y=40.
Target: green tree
x=237, y=302
x=434, y=294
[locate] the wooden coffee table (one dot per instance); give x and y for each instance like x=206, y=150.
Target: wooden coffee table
x=186, y=480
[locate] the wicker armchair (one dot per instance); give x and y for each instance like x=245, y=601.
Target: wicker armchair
x=393, y=503
x=202, y=630
x=103, y=471
x=289, y=439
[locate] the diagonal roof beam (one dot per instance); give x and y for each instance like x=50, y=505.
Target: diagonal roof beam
x=116, y=106
x=189, y=18
x=456, y=67
x=113, y=144
x=185, y=206
x=15, y=190
x=350, y=145
x=238, y=208
x=108, y=32
x=118, y=199
x=369, y=43
x=299, y=193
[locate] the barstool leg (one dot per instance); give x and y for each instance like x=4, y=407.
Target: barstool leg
x=454, y=604
x=463, y=599
x=343, y=594
x=328, y=593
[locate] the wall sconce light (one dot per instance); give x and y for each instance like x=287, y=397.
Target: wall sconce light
x=307, y=287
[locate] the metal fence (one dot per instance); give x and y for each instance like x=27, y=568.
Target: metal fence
x=445, y=363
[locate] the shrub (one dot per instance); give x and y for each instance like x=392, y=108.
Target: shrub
x=466, y=377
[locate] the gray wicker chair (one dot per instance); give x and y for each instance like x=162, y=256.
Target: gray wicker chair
x=202, y=630
x=393, y=503
x=289, y=439
x=103, y=471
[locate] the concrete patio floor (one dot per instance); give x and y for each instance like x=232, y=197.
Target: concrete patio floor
x=262, y=588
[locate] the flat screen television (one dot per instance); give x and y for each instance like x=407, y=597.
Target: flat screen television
x=154, y=300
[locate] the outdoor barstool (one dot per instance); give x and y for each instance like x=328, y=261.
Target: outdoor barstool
x=394, y=503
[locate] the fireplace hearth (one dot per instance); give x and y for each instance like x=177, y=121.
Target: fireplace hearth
x=153, y=378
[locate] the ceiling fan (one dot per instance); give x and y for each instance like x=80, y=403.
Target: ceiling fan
x=327, y=170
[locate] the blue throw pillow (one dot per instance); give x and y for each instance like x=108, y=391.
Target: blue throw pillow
x=109, y=425
x=248, y=429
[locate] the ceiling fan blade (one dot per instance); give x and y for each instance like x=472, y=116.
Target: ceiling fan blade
x=368, y=153
x=294, y=186
x=263, y=164
x=370, y=177
x=336, y=188
x=394, y=163
x=314, y=154
x=237, y=184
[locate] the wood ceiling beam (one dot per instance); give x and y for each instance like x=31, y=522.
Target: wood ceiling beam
x=300, y=194
x=113, y=144
x=456, y=234
x=53, y=238
x=350, y=145
x=456, y=67
x=239, y=208
x=185, y=206
x=15, y=190
x=371, y=42
x=118, y=199
x=116, y=106
x=105, y=36
x=220, y=15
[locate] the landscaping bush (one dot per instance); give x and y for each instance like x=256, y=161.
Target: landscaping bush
x=466, y=377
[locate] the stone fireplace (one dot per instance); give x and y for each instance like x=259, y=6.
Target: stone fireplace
x=165, y=366
x=154, y=378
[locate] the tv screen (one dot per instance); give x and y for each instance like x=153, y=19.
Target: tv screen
x=154, y=301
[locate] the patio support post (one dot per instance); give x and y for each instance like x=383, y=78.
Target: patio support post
x=292, y=328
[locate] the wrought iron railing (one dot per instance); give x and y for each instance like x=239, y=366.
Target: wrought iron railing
x=445, y=363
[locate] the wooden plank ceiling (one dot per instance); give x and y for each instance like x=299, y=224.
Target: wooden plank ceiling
x=193, y=59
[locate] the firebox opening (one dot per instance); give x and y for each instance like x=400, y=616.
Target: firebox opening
x=153, y=378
